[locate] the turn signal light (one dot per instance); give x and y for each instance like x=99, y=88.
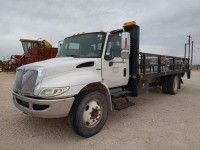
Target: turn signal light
x=131, y=23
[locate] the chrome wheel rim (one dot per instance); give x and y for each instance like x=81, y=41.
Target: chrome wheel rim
x=92, y=113
x=175, y=84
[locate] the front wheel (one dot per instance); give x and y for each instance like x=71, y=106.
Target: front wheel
x=89, y=113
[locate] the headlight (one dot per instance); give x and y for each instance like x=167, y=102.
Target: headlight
x=49, y=92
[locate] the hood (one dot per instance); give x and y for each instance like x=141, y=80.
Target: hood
x=63, y=64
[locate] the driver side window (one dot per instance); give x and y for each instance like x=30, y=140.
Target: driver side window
x=113, y=48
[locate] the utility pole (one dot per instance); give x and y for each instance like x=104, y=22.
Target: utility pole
x=185, y=50
x=189, y=39
x=190, y=50
x=192, y=53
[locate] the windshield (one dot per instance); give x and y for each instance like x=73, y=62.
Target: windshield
x=84, y=46
x=28, y=46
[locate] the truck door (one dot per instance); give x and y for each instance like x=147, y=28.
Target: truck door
x=115, y=71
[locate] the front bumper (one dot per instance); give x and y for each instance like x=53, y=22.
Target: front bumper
x=44, y=108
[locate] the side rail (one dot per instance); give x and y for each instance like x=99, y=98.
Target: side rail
x=162, y=65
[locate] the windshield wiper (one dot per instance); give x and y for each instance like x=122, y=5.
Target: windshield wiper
x=75, y=56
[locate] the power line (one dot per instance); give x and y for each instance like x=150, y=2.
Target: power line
x=196, y=51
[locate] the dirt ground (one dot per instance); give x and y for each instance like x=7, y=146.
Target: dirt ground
x=157, y=122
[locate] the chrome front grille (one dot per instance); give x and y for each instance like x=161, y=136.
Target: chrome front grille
x=25, y=81
x=18, y=82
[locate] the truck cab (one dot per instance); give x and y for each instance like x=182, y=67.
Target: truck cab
x=90, y=71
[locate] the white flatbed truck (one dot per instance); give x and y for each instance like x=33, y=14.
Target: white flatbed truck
x=90, y=73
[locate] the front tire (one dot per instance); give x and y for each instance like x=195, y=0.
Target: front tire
x=89, y=113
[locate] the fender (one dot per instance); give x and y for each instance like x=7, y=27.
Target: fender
x=103, y=88
x=76, y=80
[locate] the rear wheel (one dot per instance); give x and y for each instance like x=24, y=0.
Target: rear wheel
x=89, y=113
x=165, y=85
x=188, y=74
x=173, y=84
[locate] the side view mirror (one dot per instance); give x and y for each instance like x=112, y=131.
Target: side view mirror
x=109, y=57
x=60, y=44
x=125, y=54
x=125, y=45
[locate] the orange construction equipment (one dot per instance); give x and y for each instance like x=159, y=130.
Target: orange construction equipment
x=34, y=50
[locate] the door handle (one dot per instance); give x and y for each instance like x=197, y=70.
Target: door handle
x=124, y=72
x=111, y=63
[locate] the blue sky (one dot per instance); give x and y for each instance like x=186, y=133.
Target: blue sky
x=164, y=24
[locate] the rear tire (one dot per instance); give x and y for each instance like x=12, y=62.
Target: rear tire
x=173, y=84
x=188, y=74
x=89, y=113
x=165, y=85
